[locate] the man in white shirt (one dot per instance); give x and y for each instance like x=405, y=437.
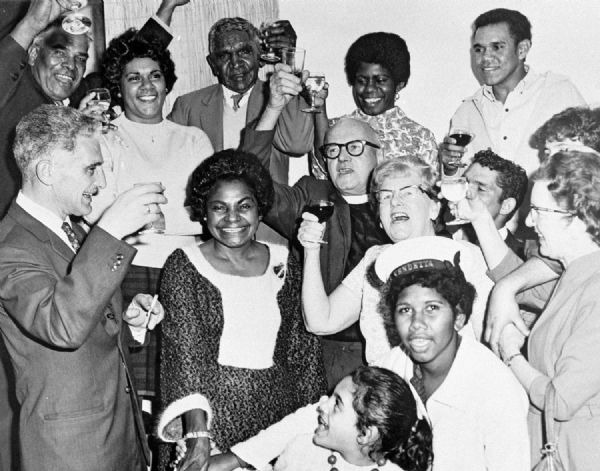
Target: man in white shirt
x=513, y=100
x=61, y=311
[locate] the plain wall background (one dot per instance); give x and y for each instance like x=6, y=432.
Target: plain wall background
x=566, y=40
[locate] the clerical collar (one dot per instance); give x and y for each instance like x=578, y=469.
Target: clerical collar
x=356, y=199
x=503, y=231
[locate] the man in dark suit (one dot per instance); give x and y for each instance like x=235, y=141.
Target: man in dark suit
x=223, y=110
x=60, y=304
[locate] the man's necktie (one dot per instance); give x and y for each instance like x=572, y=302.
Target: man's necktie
x=236, y=97
x=75, y=243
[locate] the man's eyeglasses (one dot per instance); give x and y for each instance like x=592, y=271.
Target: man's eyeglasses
x=332, y=150
x=539, y=209
x=405, y=193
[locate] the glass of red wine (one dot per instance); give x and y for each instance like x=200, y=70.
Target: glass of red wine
x=323, y=209
x=462, y=138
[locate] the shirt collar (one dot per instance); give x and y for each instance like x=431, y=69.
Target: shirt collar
x=503, y=231
x=228, y=97
x=44, y=215
x=521, y=87
x=356, y=199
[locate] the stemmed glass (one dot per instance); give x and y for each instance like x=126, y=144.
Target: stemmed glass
x=269, y=55
x=102, y=98
x=454, y=189
x=462, y=137
x=73, y=22
x=294, y=57
x=314, y=84
x=323, y=210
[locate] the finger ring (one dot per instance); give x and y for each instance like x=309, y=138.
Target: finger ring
x=148, y=208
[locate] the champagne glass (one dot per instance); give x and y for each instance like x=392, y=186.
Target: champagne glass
x=462, y=137
x=454, y=189
x=268, y=55
x=102, y=98
x=74, y=22
x=154, y=227
x=314, y=84
x=294, y=57
x=323, y=209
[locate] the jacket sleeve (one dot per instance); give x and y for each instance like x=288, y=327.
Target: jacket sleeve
x=294, y=133
x=62, y=311
x=14, y=63
x=154, y=29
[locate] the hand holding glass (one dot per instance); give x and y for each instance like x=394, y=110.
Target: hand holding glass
x=454, y=189
x=323, y=210
x=462, y=138
x=268, y=55
x=294, y=57
x=314, y=84
x=101, y=98
x=157, y=226
x=75, y=23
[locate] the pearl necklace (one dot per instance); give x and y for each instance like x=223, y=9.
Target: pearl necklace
x=332, y=460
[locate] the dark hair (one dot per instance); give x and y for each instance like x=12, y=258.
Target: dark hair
x=225, y=25
x=129, y=46
x=46, y=128
x=384, y=400
x=511, y=178
x=519, y=26
x=229, y=165
x=449, y=282
x=574, y=182
x=386, y=49
x=577, y=123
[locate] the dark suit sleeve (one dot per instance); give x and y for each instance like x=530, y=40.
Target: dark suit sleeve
x=153, y=29
x=294, y=134
x=13, y=60
x=61, y=311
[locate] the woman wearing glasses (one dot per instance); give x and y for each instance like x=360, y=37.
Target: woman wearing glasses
x=563, y=346
x=404, y=194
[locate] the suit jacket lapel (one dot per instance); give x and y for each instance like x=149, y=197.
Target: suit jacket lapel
x=256, y=101
x=213, y=113
x=43, y=233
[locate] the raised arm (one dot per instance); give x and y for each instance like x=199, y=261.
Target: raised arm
x=323, y=314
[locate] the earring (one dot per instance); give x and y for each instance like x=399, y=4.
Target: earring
x=396, y=96
x=381, y=462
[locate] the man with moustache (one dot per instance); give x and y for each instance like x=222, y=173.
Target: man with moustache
x=513, y=100
x=224, y=110
x=61, y=311
x=354, y=226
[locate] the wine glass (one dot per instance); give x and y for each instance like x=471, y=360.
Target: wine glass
x=454, y=189
x=323, y=210
x=294, y=57
x=268, y=55
x=102, y=98
x=462, y=137
x=155, y=227
x=314, y=84
x=73, y=22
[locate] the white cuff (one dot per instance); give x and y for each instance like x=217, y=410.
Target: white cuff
x=170, y=428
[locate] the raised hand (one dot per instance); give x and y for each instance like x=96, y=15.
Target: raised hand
x=280, y=34
x=283, y=85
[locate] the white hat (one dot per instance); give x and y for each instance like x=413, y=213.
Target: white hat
x=417, y=253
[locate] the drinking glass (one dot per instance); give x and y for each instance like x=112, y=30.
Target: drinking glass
x=74, y=22
x=268, y=55
x=102, y=98
x=314, y=84
x=454, y=189
x=462, y=137
x=323, y=209
x=294, y=57
x=154, y=227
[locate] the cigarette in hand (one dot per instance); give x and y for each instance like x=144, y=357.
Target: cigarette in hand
x=149, y=311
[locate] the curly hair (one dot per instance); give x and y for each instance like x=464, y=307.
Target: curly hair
x=129, y=46
x=449, y=282
x=46, y=128
x=511, y=177
x=225, y=25
x=229, y=165
x=577, y=123
x=384, y=400
x=386, y=49
x=519, y=26
x=574, y=182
